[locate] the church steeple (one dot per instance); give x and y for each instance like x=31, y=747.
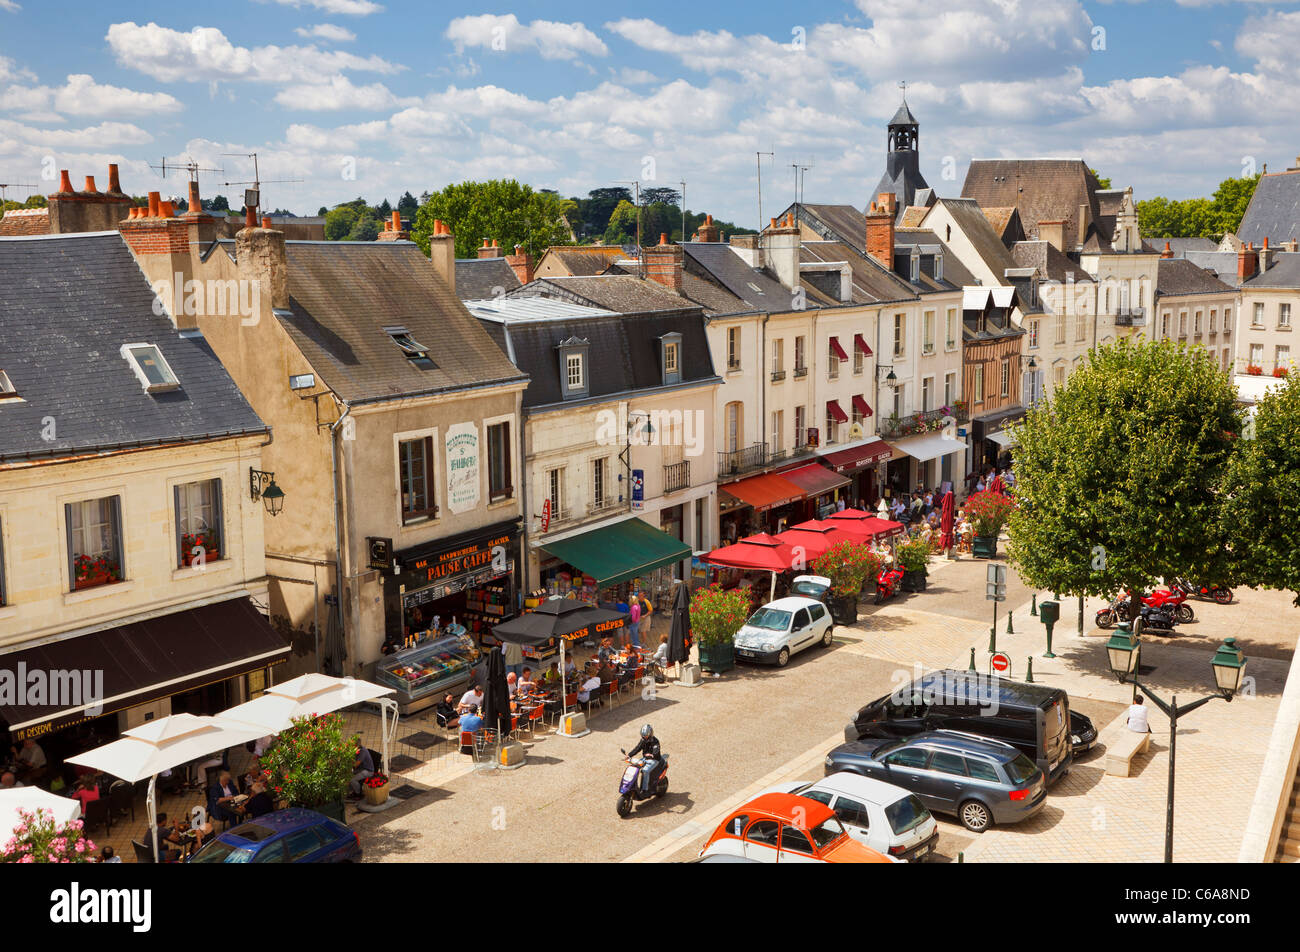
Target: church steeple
x=903, y=161
x=904, y=130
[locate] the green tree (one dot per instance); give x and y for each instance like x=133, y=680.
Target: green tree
x=500, y=210
x=1102, y=183
x=621, y=229
x=407, y=205
x=339, y=222
x=1262, y=511
x=1213, y=217
x=365, y=228
x=1119, y=475
x=1230, y=200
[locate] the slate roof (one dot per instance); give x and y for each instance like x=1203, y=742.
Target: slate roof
x=623, y=293
x=872, y=284
x=1180, y=246
x=1274, y=210
x=1222, y=263
x=342, y=296
x=67, y=305
x=1109, y=200
x=1284, y=272
x=478, y=278
x=1052, y=265
x=758, y=290
x=1180, y=276
x=903, y=117
x=623, y=354
x=955, y=274
x=1041, y=189
x=583, y=260
x=714, y=298
x=837, y=223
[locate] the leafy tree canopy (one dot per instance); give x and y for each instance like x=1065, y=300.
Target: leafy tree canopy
x=500, y=210
x=1212, y=217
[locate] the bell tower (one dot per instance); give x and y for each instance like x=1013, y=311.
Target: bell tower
x=903, y=160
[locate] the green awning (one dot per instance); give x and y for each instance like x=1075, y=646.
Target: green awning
x=620, y=552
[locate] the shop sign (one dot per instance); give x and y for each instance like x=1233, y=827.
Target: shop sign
x=462, y=467
x=489, y=554
x=638, y=489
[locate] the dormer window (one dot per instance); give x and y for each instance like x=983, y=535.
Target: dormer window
x=938, y=265
x=7, y=389
x=150, y=367
x=573, y=367
x=916, y=267
x=415, y=352
x=670, y=351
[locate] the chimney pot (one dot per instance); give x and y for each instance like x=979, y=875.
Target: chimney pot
x=155, y=204
x=397, y=221
x=708, y=219
x=519, y=249
x=663, y=239
x=486, y=243
x=774, y=225
x=90, y=185
x=1266, y=242
x=266, y=221
x=250, y=217
x=65, y=183
x=165, y=209
x=115, y=189
x=195, y=203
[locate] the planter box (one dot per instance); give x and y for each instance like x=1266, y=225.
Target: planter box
x=844, y=610
x=335, y=809
x=375, y=796
x=210, y=555
x=985, y=547
x=718, y=658
x=913, y=581
x=92, y=580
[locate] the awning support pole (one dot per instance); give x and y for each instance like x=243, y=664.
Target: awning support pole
x=151, y=807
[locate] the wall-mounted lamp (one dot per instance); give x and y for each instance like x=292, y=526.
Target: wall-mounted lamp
x=261, y=485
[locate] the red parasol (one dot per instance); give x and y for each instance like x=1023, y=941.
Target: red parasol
x=997, y=486
x=866, y=524
x=761, y=551
x=812, y=538
x=945, y=523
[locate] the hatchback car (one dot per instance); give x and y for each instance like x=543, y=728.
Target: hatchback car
x=887, y=818
x=781, y=828
x=284, y=836
x=782, y=628
x=980, y=781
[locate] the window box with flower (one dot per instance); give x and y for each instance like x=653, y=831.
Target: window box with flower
x=207, y=544
x=90, y=571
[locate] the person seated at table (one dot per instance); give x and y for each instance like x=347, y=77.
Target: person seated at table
x=608, y=673
x=87, y=791
x=660, y=657
x=260, y=802
x=362, y=767
x=571, y=669
x=605, y=650
x=471, y=698
x=470, y=723
x=551, y=676
x=591, y=684
x=446, y=713
x=512, y=684
x=8, y=781
x=526, y=683
x=30, y=761
x=170, y=846
x=109, y=855
x=221, y=798
x=254, y=773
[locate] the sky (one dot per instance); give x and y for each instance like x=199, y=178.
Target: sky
x=347, y=98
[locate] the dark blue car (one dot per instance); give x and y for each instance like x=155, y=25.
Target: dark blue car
x=284, y=836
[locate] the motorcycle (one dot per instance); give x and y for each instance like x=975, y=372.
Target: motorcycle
x=1152, y=616
x=1109, y=617
x=629, y=788
x=887, y=583
x=1201, y=590
x=1172, y=598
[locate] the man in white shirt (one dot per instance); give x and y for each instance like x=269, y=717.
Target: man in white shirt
x=1137, y=717
x=591, y=684
x=471, y=698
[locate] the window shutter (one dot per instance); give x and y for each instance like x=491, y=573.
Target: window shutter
x=117, y=535
x=180, y=534
x=507, y=474
x=430, y=484
x=219, y=518
x=2, y=562
x=72, y=556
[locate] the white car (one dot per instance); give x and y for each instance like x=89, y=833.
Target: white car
x=889, y=819
x=783, y=627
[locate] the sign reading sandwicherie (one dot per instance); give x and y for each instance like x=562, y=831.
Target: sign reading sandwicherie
x=462, y=467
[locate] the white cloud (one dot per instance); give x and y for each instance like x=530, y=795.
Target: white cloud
x=101, y=135
x=337, y=94
x=1270, y=40
x=11, y=71
x=9, y=5
x=358, y=8
x=82, y=96
x=328, y=32
x=633, y=77
x=205, y=54
x=504, y=33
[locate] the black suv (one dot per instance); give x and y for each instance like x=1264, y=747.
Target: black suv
x=979, y=781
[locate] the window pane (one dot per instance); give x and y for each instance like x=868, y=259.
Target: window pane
x=948, y=763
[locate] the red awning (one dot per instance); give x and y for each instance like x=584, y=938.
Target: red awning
x=764, y=492
x=860, y=404
x=861, y=344
x=815, y=479
x=845, y=461
x=760, y=551
x=833, y=409
x=837, y=350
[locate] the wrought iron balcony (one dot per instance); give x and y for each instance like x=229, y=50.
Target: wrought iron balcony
x=1131, y=317
x=742, y=460
x=677, y=476
x=893, y=427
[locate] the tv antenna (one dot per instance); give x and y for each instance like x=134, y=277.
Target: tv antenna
x=191, y=167
x=636, y=185
x=758, y=159
x=5, y=185
x=799, y=171
x=252, y=197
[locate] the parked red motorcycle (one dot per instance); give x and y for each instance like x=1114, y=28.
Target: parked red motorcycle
x=887, y=583
x=1171, y=599
x=1200, y=590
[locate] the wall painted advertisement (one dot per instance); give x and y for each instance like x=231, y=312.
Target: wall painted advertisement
x=462, y=467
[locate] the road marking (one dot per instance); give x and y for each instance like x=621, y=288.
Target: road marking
x=704, y=823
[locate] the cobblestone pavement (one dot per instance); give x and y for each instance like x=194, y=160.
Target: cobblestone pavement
x=759, y=726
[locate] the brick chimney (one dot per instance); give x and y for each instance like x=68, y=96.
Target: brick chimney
x=260, y=256
x=522, y=264
x=880, y=235
x=492, y=250
x=780, y=246
x=160, y=243
x=747, y=247
x=202, y=226
x=1053, y=232
x=1247, y=262
x=1266, y=255
x=88, y=210
x=1168, y=252
x=442, y=254
x=707, y=230
x=888, y=202
x=663, y=263
x=393, y=230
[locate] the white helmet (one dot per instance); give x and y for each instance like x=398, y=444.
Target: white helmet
x=647, y=731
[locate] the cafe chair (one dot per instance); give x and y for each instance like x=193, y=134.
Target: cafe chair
x=612, y=691
x=121, y=796
x=538, y=713
x=98, y=812
x=143, y=854
x=469, y=739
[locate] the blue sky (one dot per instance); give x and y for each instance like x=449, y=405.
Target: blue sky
x=374, y=97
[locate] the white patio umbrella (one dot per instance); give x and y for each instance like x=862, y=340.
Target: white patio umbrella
x=31, y=799
x=311, y=694
x=148, y=750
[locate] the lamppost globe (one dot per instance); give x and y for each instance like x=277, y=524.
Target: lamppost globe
x=891, y=379
x=1122, y=651
x=1229, y=665
x=273, y=499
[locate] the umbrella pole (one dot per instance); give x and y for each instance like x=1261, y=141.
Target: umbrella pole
x=564, y=685
x=771, y=592
x=151, y=806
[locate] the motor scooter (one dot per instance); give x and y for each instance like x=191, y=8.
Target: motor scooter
x=887, y=583
x=629, y=788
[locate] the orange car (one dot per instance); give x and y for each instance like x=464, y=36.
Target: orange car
x=784, y=828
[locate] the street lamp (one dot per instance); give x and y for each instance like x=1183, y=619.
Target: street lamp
x=1229, y=665
x=261, y=485
x=1033, y=381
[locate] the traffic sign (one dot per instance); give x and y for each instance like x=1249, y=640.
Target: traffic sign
x=1000, y=662
x=995, y=588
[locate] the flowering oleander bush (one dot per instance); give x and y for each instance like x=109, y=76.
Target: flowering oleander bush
x=914, y=553
x=38, y=839
x=717, y=614
x=848, y=565
x=312, y=762
x=989, y=511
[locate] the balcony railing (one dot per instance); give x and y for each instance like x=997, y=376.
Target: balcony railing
x=800, y=372
x=742, y=460
x=893, y=427
x=677, y=476
x=778, y=375
x=1131, y=317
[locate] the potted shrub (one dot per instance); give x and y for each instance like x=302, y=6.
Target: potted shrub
x=311, y=764
x=1255, y=370
x=206, y=541
x=38, y=839
x=848, y=565
x=92, y=570
x=716, y=615
x=988, y=512
x=376, y=789
x=1280, y=371
x=913, y=556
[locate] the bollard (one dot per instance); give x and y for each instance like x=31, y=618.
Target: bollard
x=972, y=660
x=1029, y=671
x=993, y=639
x=961, y=857
x=1010, y=629
x=1033, y=605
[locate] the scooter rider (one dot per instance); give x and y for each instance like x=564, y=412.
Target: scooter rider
x=649, y=747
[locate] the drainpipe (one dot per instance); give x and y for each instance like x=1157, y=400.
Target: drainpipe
x=338, y=520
